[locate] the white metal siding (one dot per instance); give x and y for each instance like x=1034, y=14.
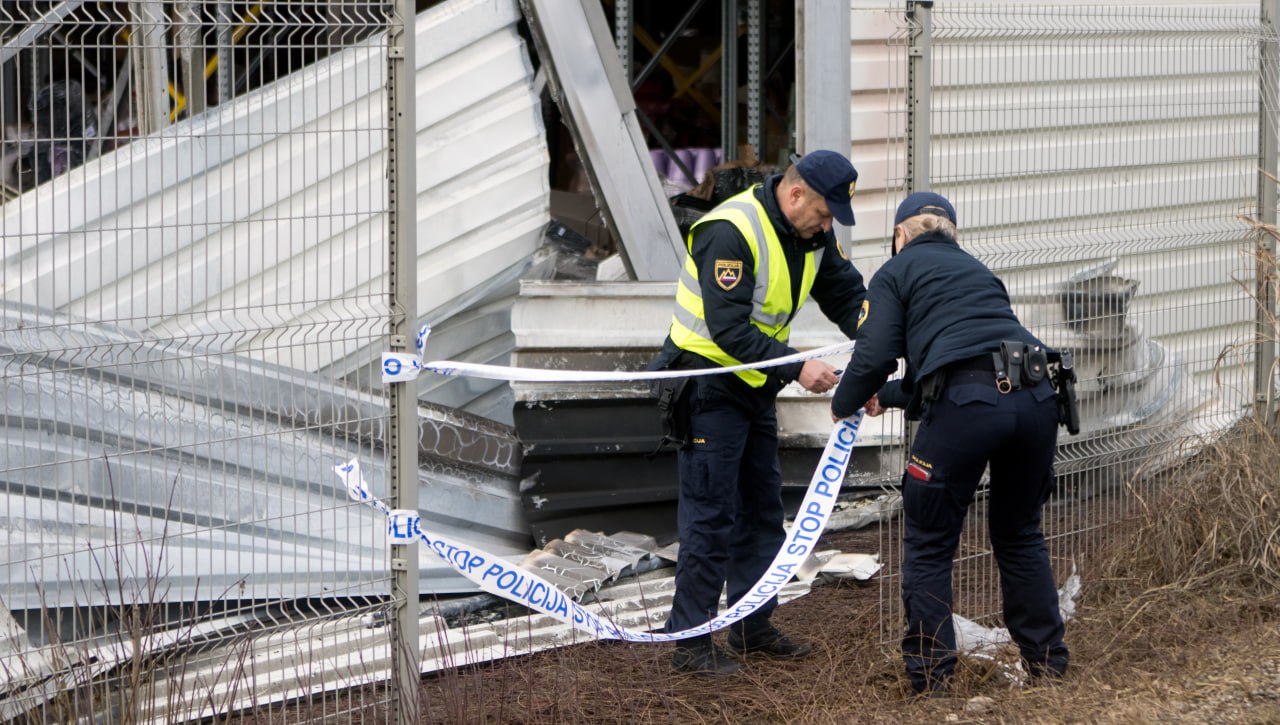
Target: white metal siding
x=1059, y=156
x=180, y=235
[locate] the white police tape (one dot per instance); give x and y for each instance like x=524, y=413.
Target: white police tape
x=401, y=367
x=524, y=587
x=398, y=367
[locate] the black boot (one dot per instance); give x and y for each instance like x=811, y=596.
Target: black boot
x=768, y=642
x=699, y=656
x=1042, y=673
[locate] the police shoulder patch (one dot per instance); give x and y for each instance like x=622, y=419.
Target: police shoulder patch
x=728, y=273
x=862, y=313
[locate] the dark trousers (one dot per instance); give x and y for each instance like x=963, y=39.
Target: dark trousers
x=972, y=425
x=730, y=510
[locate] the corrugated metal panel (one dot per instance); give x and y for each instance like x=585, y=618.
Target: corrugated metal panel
x=591, y=457
x=166, y=212
x=1060, y=157
x=222, y=468
x=602, y=325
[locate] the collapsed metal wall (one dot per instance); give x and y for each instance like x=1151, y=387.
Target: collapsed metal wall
x=200, y=230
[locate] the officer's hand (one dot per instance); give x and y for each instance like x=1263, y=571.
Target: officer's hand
x=873, y=407
x=817, y=376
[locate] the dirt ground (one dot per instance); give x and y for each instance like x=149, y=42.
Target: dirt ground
x=1178, y=620
x=1201, y=661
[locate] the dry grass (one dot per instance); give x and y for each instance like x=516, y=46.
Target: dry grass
x=1179, y=621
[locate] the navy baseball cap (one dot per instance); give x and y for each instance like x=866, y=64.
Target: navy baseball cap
x=924, y=202
x=832, y=176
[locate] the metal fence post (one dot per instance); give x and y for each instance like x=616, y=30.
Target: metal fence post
x=402, y=257
x=919, y=86
x=1268, y=108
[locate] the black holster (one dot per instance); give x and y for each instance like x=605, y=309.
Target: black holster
x=1062, y=366
x=672, y=395
x=932, y=385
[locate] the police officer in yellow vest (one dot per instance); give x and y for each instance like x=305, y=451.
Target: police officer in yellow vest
x=752, y=263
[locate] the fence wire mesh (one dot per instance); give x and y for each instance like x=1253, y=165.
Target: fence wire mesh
x=194, y=215
x=1100, y=159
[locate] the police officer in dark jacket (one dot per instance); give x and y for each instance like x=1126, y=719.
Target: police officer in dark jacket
x=976, y=381
x=753, y=261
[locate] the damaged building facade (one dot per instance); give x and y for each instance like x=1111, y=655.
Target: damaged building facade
x=200, y=220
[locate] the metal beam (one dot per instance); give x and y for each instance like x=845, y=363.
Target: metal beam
x=574, y=43
x=119, y=89
x=729, y=79
x=684, y=83
x=38, y=27
x=661, y=52
x=148, y=43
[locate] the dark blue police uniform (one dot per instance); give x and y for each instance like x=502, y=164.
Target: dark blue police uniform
x=730, y=508
x=946, y=313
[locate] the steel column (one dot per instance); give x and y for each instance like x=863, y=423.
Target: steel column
x=729, y=80
x=148, y=45
x=189, y=43
x=224, y=21
x=823, y=90
x=755, y=78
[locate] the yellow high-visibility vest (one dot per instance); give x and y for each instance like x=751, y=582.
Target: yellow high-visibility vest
x=771, y=309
